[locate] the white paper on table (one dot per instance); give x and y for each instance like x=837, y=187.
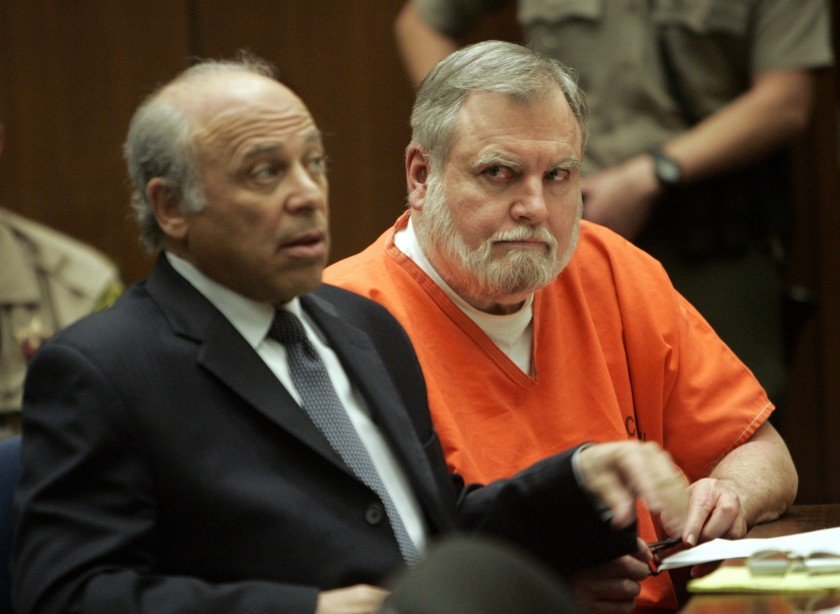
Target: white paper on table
x=799, y=544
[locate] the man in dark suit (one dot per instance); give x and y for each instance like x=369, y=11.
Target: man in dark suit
x=175, y=454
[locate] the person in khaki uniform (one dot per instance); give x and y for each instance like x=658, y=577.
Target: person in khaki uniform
x=47, y=281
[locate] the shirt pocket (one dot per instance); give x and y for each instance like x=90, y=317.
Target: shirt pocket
x=532, y=12
x=705, y=16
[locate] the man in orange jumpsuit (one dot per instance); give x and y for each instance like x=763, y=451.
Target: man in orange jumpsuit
x=537, y=331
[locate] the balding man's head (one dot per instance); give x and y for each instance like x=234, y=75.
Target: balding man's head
x=228, y=170
x=160, y=137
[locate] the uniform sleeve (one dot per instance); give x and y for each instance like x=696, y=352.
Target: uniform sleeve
x=454, y=17
x=791, y=34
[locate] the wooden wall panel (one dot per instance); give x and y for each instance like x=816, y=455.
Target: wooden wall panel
x=827, y=166
x=72, y=74
x=73, y=71
x=812, y=428
x=811, y=424
x=340, y=57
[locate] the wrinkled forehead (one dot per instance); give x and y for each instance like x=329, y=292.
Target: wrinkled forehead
x=492, y=116
x=228, y=109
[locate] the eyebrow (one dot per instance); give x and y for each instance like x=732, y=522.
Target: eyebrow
x=313, y=136
x=258, y=150
x=570, y=162
x=493, y=158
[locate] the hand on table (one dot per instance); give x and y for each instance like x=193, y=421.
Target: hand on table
x=358, y=599
x=714, y=511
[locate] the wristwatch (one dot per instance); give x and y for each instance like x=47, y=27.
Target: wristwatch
x=667, y=171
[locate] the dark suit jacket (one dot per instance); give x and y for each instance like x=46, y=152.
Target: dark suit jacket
x=167, y=469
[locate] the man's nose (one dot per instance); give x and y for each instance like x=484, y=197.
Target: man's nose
x=307, y=191
x=530, y=204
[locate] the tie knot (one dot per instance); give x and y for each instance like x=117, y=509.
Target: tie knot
x=287, y=328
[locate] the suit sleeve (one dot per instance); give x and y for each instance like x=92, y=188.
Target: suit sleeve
x=85, y=535
x=541, y=509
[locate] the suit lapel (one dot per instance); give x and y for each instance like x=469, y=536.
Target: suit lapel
x=229, y=357
x=225, y=354
x=365, y=369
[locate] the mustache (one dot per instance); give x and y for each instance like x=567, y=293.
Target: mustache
x=316, y=223
x=526, y=233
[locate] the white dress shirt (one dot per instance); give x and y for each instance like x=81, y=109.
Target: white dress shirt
x=253, y=319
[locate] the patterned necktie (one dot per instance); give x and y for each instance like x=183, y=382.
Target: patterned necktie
x=321, y=403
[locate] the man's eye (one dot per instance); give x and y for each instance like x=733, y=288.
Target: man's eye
x=265, y=172
x=317, y=164
x=558, y=174
x=498, y=172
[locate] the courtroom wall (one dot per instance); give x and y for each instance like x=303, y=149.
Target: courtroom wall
x=72, y=72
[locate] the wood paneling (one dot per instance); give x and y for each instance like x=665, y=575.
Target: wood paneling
x=72, y=74
x=73, y=71
x=810, y=425
x=829, y=361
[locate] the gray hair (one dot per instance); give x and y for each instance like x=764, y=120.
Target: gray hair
x=490, y=66
x=160, y=144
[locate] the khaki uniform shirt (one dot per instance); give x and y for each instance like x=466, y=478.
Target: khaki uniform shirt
x=47, y=281
x=715, y=46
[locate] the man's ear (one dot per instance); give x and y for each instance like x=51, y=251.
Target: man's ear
x=416, y=176
x=165, y=198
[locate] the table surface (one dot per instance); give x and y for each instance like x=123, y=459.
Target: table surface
x=799, y=519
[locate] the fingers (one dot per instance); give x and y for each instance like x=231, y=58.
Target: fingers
x=611, y=587
x=724, y=519
x=714, y=511
x=701, y=504
x=357, y=599
x=610, y=489
x=616, y=472
x=657, y=480
x=643, y=553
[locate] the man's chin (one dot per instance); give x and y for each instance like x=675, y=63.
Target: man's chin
x=292, y=284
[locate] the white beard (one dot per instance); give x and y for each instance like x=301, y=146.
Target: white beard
x=476, y=273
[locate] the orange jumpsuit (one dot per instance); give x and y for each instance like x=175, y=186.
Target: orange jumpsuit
x=617, y=354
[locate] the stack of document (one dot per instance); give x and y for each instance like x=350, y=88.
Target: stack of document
x=739, y=578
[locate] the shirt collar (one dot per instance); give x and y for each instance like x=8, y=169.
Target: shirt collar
x=251, y=318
